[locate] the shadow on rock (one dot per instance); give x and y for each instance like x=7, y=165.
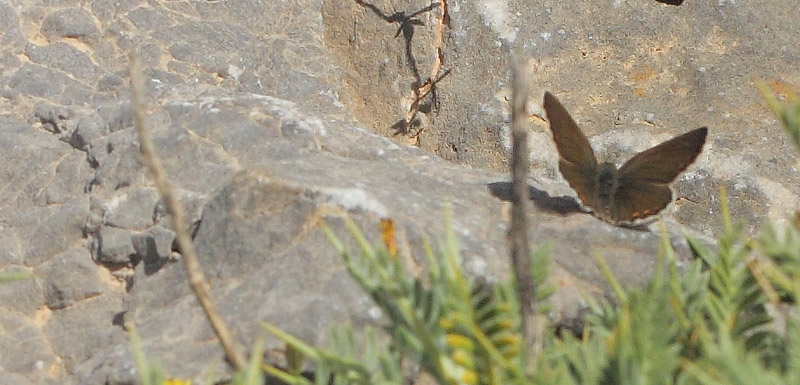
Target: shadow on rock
x=561, y=205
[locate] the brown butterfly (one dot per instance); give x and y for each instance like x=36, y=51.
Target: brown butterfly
x=639, y=188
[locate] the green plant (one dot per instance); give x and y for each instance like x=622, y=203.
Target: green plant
x=150, y=373
x=456, y=329
x=15, y=276
x=712, y=323
x=789, y=112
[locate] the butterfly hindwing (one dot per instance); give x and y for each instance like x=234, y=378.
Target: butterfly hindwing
x=644, y=180
x=582, y=182
x=635, y=199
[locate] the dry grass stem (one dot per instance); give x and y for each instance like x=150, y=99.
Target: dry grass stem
x=194, y=271
x=421, y=91
x=520, y=201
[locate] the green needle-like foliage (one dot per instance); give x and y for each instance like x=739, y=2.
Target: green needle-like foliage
x=708, y=321
x=149, y=372
x=711, y=324
x=457, y=329
x=735, y=300
x=789, y=113
x=15, y=276
x=633, y=343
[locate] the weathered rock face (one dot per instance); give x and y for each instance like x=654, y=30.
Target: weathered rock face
x=262, y=112
x=632, y=74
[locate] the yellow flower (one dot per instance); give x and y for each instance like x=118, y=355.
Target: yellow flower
x=177, y=381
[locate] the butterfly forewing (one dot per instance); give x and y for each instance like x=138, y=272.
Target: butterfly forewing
x=663, y=163
x=577, y=162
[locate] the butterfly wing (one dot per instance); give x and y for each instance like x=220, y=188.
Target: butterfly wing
x=663, y=163
x=637, y=199
x=644, y=179
x=577, y=162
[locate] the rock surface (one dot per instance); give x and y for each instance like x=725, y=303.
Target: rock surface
x=266, y=115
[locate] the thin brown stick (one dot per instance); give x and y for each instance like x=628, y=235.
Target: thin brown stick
x=422, y=91
x=437, y=44
x=193, y=269
x=520, y=204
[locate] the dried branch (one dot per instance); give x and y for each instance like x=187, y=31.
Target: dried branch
x=193, y=269
x=520, y=205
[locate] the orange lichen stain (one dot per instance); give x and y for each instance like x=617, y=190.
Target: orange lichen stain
x=643, y=75
x=639, y=92
x=388, y=236
x=781, y=88
x=177, y=381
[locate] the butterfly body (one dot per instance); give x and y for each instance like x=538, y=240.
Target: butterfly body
x=607, y=182
x=639, y=188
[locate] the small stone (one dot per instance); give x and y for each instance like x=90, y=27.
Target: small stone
x=69, y=277
x=70, y=22
x=52, y=116
x=133, y=210
x=154, y=245
x=114, y=245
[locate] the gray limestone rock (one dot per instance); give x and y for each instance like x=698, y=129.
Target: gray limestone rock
x=53, y=117
x=69, y=22
x=90, y=326
x=114, y=245
x=110, y=83
x=32, y=359
x=21, y=296
x=11, y=253
x=69, y=278
x=12, y=40
x=134, y=208
x=87, y=129
x=69, y=179
x=116, y=116
x=51, y=84
x=60, y=225
x=14, y=379
x=154, y=245
x=66, y=58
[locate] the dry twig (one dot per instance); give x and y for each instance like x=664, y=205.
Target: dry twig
x=423, y=90
x=520, y=201
x=193, y=269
